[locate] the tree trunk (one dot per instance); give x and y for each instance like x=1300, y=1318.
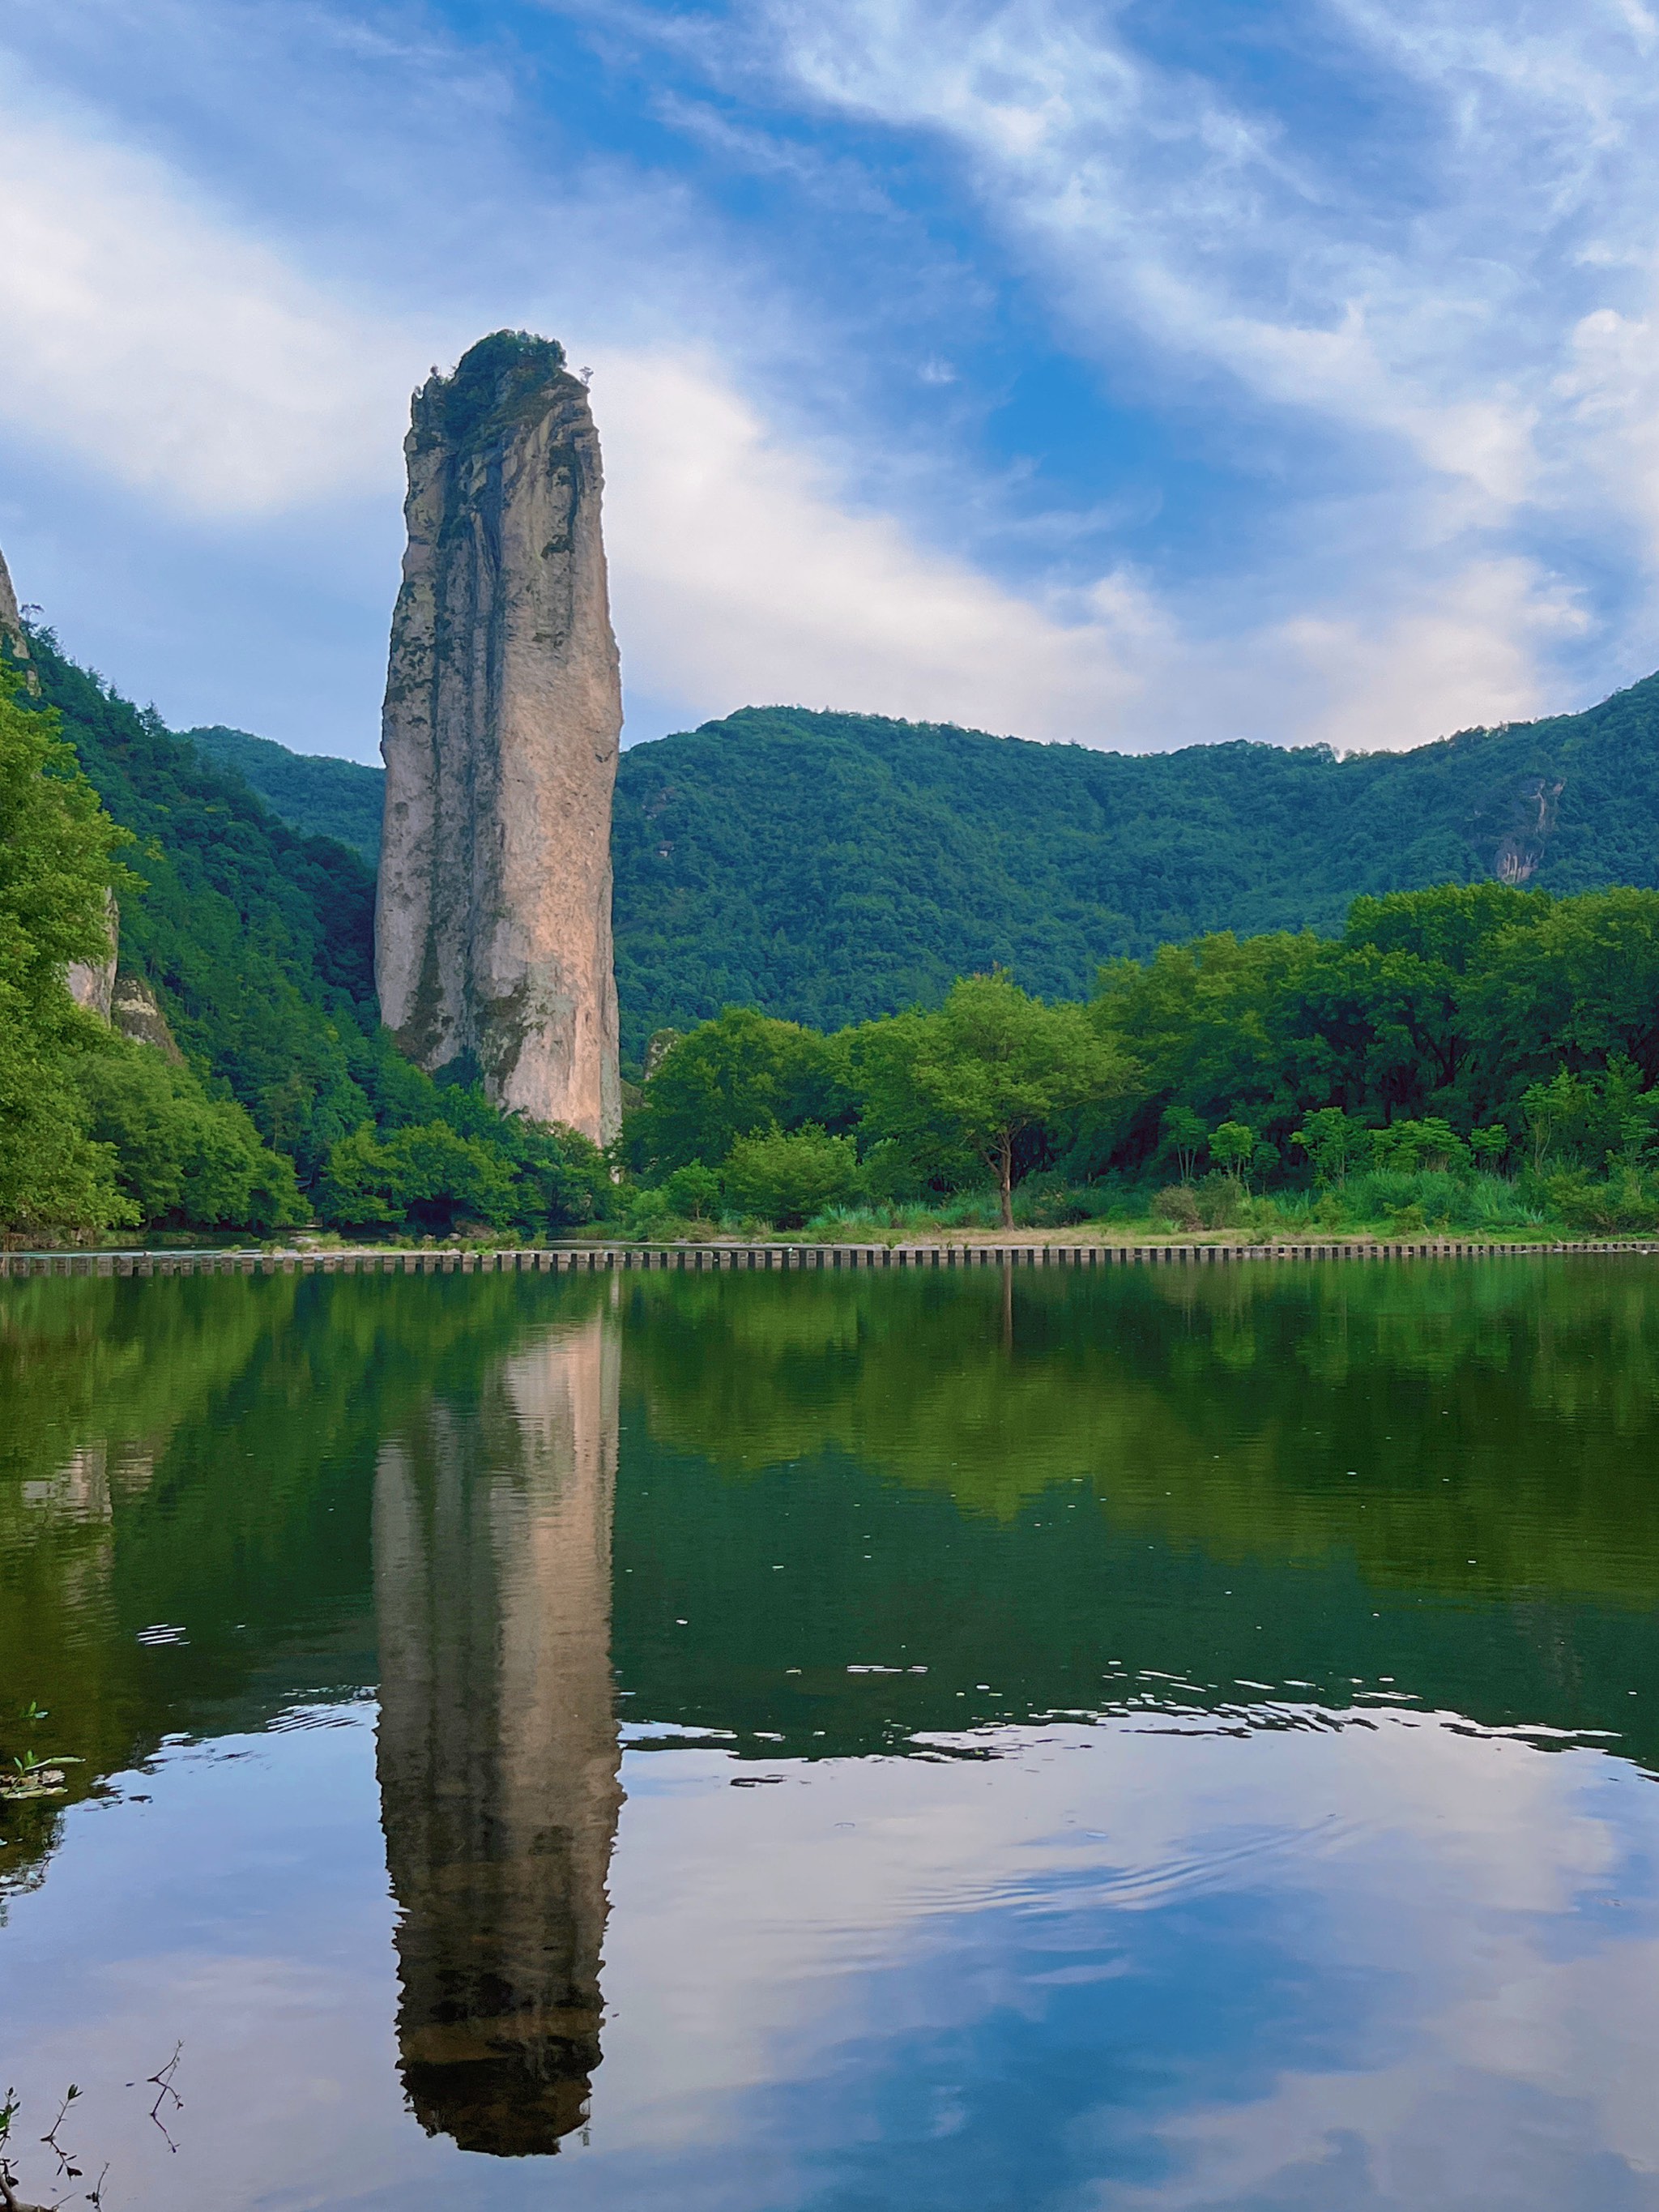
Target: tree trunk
x=1005, y=1179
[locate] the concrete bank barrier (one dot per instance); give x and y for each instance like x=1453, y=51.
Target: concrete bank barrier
x=711, y=1258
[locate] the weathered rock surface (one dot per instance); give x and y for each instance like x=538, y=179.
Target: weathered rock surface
x=11, y=626
x=503, y=713
x=135, y=1010
x=11, y=621
x=92, y=982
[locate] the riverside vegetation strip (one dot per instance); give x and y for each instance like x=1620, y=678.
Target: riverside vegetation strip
x=1477, y=1058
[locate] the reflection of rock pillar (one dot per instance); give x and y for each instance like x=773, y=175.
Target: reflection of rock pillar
x=498, y=1745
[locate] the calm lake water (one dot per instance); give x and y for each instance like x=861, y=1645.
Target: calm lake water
x=1165, y=1738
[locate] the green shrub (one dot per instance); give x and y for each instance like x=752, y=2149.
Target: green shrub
x=560, y=1177
x=1624, y=1206
x=693, y=1193
x=471, y=1164
x=1431, y=1144
x=788, y=1176
x=428, y=1176
x=738, y=1076
x=186, y=1160
x=1177, y=1204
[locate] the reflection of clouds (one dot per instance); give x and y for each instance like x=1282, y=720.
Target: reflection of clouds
x=1399, y=1965
x=1435, y=1873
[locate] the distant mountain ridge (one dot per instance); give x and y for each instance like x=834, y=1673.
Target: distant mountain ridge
x=323, y=797
x=829, y=866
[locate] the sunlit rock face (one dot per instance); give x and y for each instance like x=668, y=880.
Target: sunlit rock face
x=92, y=982
x=503, y=719
x=499, y=1754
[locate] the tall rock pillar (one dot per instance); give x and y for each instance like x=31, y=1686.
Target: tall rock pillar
x=503, y=713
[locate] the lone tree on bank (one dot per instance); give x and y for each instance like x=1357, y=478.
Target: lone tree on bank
x=996, y=1063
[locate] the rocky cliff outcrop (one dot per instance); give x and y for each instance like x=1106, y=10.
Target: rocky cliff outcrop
x=11, y=621
x=503, y=713
x=135, y=1010
x=12, y=633
x=92, y=982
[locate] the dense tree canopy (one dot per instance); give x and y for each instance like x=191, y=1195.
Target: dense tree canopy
x=1473, y=1030
x=257, y=941
x=883, y=962
x=991, y=1067
x=185, y=1159
x=56, y=871
x=828, y=868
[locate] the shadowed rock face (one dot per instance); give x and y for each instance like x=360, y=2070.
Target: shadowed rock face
x=503, y=713
x=498, y=1742
x=11, y=621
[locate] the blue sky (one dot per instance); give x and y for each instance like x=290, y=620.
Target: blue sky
x=1124, y=374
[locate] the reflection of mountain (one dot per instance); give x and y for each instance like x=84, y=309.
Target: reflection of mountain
x=498, y=1745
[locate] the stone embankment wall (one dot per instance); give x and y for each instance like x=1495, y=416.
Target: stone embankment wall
x=699, y=1258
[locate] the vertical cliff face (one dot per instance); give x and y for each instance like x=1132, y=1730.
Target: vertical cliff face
x=92, y=982
x=11, y=627
x=503, y=713
x=12, y=633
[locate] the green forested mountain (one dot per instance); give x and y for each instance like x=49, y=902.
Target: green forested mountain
x=829, y=867
x=257, y=941
x=838, y=868
x=323, y=797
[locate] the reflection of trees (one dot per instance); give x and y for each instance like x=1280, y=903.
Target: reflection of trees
x=200, y=1450
x=498, y=1745
x=1224, y=1407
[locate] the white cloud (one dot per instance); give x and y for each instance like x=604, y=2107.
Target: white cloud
x=780, y=1951
x=231, y=371
x=1464, y=656
x=739, y=576
x=1478, y=323
x=1164, y=210
x=170, y=350
x=1431, y=1875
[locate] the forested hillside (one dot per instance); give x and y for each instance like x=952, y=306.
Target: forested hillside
x=1479, y=1053
x=276, y=1090
x=831, y=867
x=1472, y=1056
x=257, y=939
x=325, y=798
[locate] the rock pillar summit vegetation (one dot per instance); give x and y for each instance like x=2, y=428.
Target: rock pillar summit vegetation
x=503, y=714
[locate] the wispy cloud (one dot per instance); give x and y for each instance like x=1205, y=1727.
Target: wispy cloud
x=740, y=576
x=1396, y=306
x=1467, y=300
x=169, y=350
